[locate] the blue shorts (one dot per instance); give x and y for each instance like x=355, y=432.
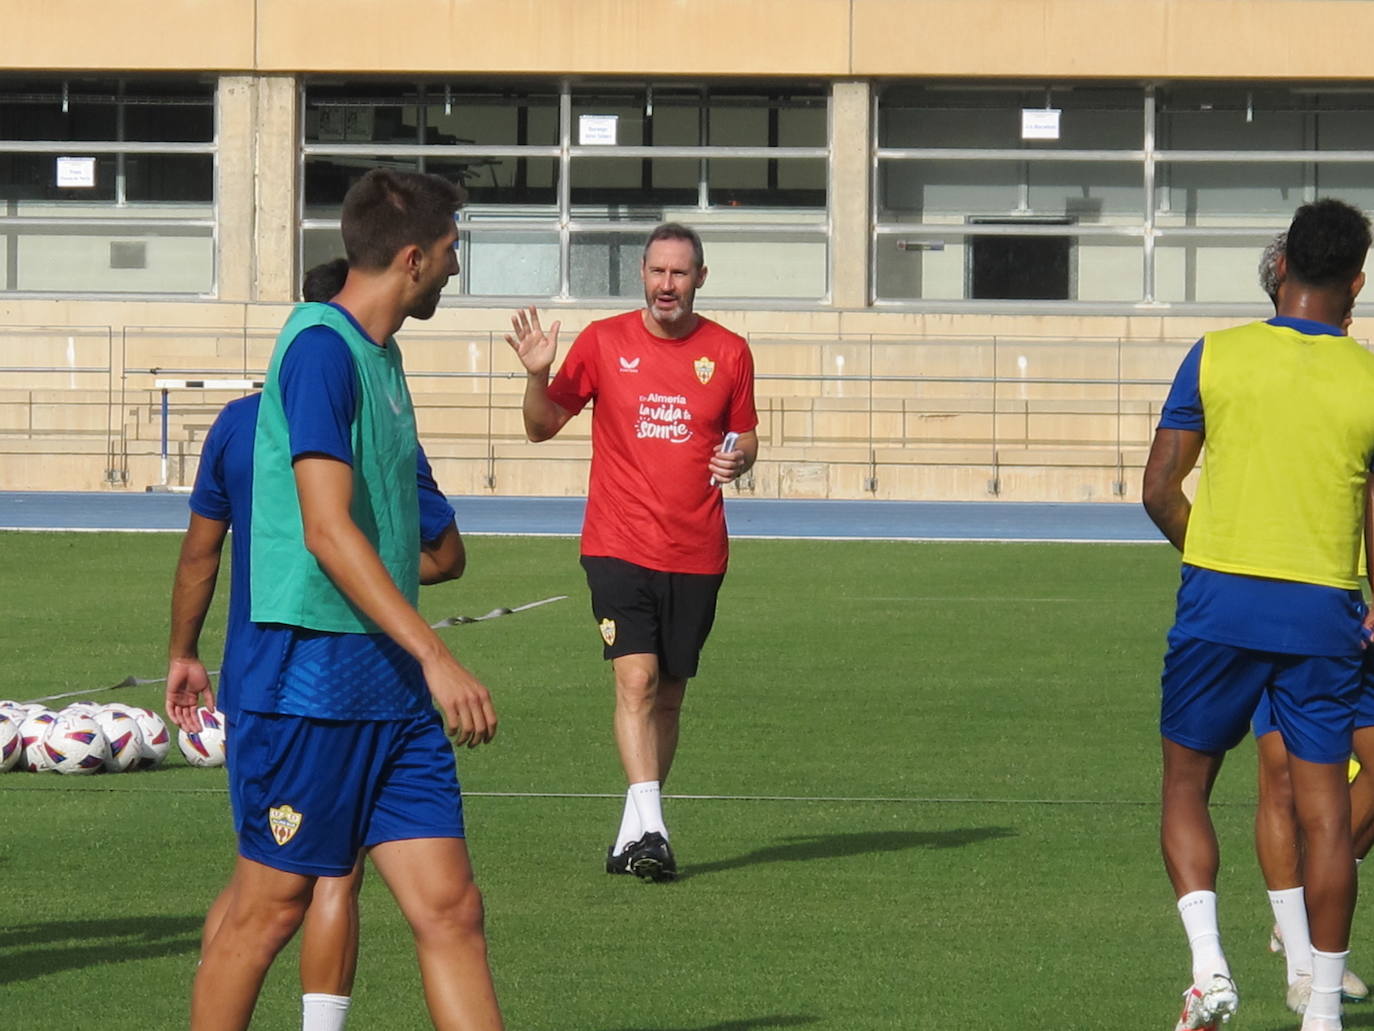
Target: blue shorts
x=309, y=794
x=1264, y=722
x=1210, y=693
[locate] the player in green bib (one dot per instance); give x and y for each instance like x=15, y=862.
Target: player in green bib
x=339, y=746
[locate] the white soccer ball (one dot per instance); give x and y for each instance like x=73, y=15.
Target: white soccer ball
x=82, y=708
x=156, y=740
x=31, y=733
x=125, y=739
x=205, y=748
x=76, y=744
x=13, y=710
x=10, y=748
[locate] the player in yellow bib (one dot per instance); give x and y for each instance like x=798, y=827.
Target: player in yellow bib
x=1269, y=603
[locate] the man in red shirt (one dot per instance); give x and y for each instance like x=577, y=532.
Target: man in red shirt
x=669, y=386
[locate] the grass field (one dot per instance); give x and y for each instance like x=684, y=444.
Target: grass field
x=951, y=752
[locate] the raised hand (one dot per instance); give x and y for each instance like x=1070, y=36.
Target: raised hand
x=535, y=349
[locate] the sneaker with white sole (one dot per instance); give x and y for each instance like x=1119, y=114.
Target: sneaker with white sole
x=1353, y=988
x=1205, y=1008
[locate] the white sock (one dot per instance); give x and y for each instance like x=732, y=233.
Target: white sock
x=1328, y=971
x=324, y=1012
x=630, y=830
x=649, y=804
x=1290, y=913
x=1199, y=912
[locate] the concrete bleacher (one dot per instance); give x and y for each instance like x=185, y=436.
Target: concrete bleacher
x=958, y=419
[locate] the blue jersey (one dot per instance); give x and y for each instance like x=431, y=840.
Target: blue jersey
x=273, y=668
x=1247, y=611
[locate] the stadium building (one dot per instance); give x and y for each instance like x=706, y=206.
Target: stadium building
x=969, y=240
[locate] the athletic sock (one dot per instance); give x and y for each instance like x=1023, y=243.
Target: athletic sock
x=649, y=805
x=1290, y=913
x=630, y=830
x=322, y=1012
x=1328, y=971
x=1199, y=912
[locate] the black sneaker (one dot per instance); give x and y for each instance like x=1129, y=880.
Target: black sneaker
x=651, y=859
x=619, y=863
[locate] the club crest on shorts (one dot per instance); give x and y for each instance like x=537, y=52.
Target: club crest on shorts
x=608, y=631
x=705, y=369
x=284, y=822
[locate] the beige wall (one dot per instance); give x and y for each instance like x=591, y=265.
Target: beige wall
x=1061, y=39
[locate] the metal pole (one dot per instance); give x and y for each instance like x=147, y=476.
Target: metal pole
x=164, y=436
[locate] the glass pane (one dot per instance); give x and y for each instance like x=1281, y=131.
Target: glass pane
x=1081, y=190
x=321, y=245
x=606, y=265
x=507, y=116
x=327, y=179
x=753, y=117
x=169, y=177
x=930, y=268
x=792, y=266
x=376, y=112
x=508, y=264
x=627, y=106
x=33, y=177
x=961, y=117
x=1232, y=118
x=767, y=182
x=38, y=109
x=136, y=260
x=497, y=182
x=1211, y=269
x=1196, y=193
x=173, y=111
x=622, y=184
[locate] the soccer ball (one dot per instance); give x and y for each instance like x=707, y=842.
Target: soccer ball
x=82, y=708
x=125, y=739
x=75, y=744
x=10, y=748
x=207, y=747
x=31, y=734
x=13, y=711
x=156, y=740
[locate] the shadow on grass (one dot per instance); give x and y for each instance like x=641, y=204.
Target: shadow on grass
x=28, y=951
x=746, y=1024
x=840, y=846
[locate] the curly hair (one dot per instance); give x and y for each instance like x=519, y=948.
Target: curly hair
x=1327, y=243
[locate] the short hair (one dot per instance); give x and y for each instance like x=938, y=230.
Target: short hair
x=324, y=281
x=1327, y=243
x=677, y=231
x=386, y=210
x=1269, y=280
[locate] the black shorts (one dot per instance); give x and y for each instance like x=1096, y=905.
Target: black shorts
x=645, y=611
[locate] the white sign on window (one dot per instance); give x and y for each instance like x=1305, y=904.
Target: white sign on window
x=597, y=130
x=75, y=173
x=1040, y=123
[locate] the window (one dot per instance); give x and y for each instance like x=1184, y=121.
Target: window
x=1162, y=193
x=565, y=181
x=107, y=185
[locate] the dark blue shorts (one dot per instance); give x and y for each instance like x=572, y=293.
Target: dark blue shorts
x=308, y=794
x=1210, y=693
x=1264, y=722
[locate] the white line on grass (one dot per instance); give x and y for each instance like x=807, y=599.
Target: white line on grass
x=849, y=799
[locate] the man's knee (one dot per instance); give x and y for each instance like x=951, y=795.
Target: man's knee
x=458, y=913
x=636, y=687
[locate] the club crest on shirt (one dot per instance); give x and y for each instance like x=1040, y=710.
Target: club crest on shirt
x=629, y=365
x=608, y=631
x=284, y=822
x=705, y=369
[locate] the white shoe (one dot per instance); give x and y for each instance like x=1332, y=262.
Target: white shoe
x=1205, y=1008
x=1300, y=993
x=1318, y=1024
x=1353, y=988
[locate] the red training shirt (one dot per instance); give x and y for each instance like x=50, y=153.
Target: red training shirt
x=662, y=407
